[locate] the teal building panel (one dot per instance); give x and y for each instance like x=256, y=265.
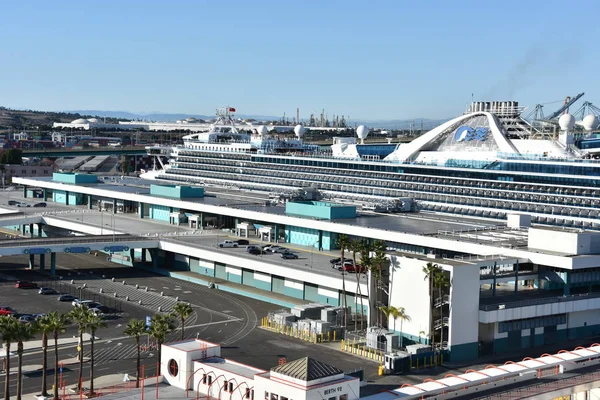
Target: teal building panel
x=220, y=271
x=235, y=278
x=176, y=191
x=248, y=277
x=278, y=284
x=74, y=178
x=320, y=210
x=311, y=292
x=160, y=213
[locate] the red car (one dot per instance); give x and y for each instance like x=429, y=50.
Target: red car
x=25, y=285
x=6, y=311
x=349, y=267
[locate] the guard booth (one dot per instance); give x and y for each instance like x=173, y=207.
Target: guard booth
x=398, y=363
x=266, y=233
x=243, y=229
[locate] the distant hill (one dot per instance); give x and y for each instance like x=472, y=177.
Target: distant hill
x=164, y=117
x=31, y=119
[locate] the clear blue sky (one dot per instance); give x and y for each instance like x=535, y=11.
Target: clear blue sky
x=366, y=59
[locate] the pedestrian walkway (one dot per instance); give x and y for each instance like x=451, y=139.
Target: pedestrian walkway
x=144, y=296
x=37, y=344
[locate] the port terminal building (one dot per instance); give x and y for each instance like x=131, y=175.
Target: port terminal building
x=513, y=285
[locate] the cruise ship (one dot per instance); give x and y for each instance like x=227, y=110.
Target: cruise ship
x=486, y=163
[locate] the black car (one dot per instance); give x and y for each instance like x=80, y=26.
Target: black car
x=42, y=204
x=338, y=260
x=243, y=242
x=289, y=256
x=67, y=297
x=256, y=251
x=12, y=202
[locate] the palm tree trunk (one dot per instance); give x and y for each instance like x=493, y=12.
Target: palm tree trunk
x=44, y=363
x=92, y=362
x=19, y=369
x=431, y=318
x=401, y=332
x=7, y=381
x=182, y=327
x=55, y=365
x=80, y=380
x=137, y=383
x=442, y=318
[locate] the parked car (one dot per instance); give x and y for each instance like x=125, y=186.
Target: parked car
x=42, y=204
x=228, y=243
x=25, y=285
x=252, y=248
x=23, y=205
x=38, y=316
x=98, y=312
x=281, y=250
x=242, y=242
x=26, y=318
x=47, y=290
x=272, y=249
x=349, y=267
x=6, y=310
x=66, y=297
x=289, y=256
x=77, y=303
x=257, y=251
x=338, y=260
x=12, y=202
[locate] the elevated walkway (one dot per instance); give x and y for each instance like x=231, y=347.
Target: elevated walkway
x=77, y=244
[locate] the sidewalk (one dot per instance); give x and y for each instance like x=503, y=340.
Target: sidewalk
x=37, y=344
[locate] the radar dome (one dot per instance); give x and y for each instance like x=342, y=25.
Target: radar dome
x=362, y=132
x=590, y=122
x=566, y=122
x=80, y=121
x=299, y=130
x=262, y=130
x=93, y=120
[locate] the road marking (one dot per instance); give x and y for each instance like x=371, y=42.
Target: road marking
x=210, y=323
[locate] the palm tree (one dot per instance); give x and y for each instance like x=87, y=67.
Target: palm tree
x=430, y=270
x=356, y=247
x=160, y=327
x=8, y=327
x=366, y=262
x=403, y=316
x=441, y=282
x=387, y=311
x=80, y=315
x=377, y=262
x=93, y=323
x=44, y=326
x=136, y=328
x=23, y=333
x=58, y=322
x=182, y=310
x=343, y=243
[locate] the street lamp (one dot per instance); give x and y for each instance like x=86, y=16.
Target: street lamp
x=312, y=252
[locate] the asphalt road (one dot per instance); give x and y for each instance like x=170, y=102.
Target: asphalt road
x=219, y=317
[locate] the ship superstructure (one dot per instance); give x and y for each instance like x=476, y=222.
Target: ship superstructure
x=480, y=164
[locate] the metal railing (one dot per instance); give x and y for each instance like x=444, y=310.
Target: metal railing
x=536, y=302
x=72, y=240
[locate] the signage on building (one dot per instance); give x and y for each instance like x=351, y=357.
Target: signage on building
x=467, y=133
x=333, y=390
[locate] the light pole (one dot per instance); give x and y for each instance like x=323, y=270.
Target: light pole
x=312, y=252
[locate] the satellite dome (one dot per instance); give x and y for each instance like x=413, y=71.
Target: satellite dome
x=299, y=130
x=590, y=122
x=93, y=120
x=362, y=132
x=80, y=121
x=262, y=130
x=566, y=122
